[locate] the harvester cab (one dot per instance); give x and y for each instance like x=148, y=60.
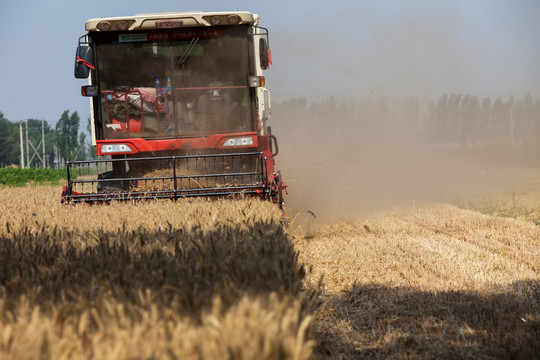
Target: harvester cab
x=178, y=107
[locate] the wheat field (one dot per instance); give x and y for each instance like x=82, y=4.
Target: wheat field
x=193, y=279
x=226, y=279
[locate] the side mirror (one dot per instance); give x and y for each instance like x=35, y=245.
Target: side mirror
x=267, y=110
x=263, y=54
x=83, y=62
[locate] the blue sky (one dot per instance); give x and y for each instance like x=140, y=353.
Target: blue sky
x=348, y=49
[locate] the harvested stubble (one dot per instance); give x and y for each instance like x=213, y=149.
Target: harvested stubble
x=430, y=281
x=149, y=280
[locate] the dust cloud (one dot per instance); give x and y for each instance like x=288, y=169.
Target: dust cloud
x=407, y=48
x=433, y=102
x=341, y=160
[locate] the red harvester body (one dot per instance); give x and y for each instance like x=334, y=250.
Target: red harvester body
x=178, y=108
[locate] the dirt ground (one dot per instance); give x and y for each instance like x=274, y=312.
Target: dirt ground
x=429, y=281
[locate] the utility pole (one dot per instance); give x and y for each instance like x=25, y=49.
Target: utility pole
x=43, y=140
x=27, y=149
x=35, y=149
x=56, y=157
x=22, y=144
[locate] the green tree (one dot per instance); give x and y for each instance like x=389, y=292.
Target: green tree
x=469, y=115
x=9, y=140
x=67, y=129
x=439, y=130
x=411, y=106
x=454, y=117
x=83, y=153
x=486, y=120
x=91, y=150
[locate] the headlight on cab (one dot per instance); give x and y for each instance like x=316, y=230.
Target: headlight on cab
x=239, y=141
x=115, y=148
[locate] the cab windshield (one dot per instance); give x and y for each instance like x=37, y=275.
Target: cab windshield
x=173, y=83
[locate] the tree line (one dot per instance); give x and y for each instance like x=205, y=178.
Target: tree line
x=454, y=118
x=63, y=142
x=468, y=120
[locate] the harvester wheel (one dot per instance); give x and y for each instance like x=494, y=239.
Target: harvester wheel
x=110, y=186
x=278, y=191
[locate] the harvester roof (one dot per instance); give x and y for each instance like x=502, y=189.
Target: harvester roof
x=171, y=20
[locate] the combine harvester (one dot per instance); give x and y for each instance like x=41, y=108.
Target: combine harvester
x=178, y=109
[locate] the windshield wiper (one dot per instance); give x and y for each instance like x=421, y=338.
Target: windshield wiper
x=189, y=49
